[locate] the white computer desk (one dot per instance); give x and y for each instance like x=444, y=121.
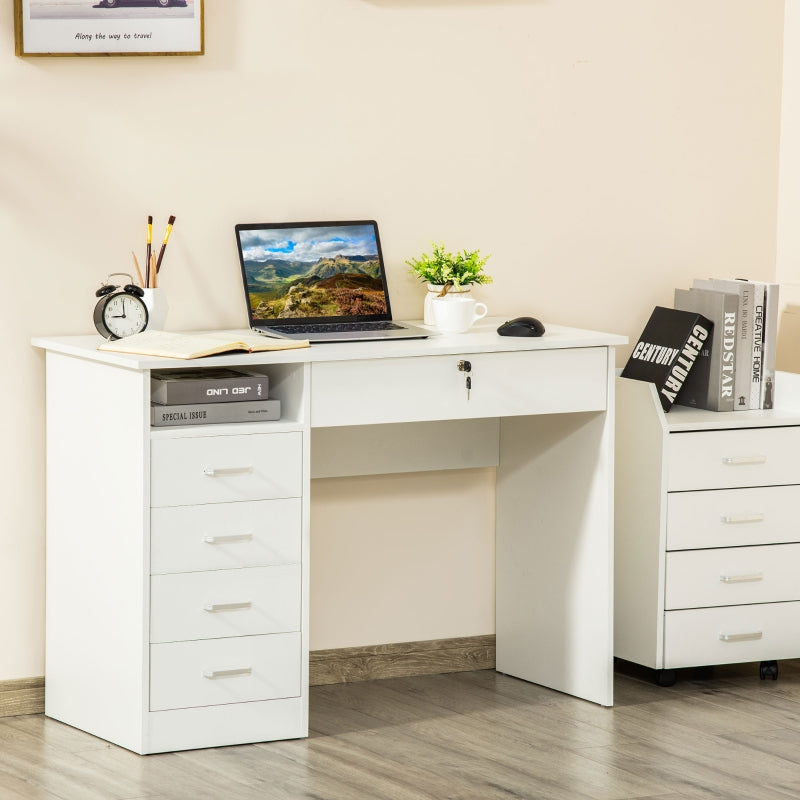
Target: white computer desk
x=161, y=634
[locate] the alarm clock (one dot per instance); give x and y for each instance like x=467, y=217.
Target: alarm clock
x=120, y=310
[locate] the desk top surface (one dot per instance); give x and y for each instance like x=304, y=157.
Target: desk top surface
x=482, y=338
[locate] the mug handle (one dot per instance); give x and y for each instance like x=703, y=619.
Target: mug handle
x=479, y=315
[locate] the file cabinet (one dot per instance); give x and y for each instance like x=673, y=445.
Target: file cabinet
x=707, y=543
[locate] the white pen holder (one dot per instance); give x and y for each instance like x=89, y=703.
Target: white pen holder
x=157, y=307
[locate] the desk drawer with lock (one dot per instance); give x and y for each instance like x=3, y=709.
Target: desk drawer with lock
x=435, y=387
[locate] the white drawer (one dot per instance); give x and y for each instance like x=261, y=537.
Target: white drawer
x=731, y=634
x=730, y=575
x=727, y=459
x=733, y=517
x=229, y=602
x=432, y=387
x=221, y=469
x=225, y=535
x=216, y=671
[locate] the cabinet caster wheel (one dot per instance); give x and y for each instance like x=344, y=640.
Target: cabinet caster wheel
x=768, y=669
x=666, y=677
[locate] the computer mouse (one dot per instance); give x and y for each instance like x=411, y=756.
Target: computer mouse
x=521, y=326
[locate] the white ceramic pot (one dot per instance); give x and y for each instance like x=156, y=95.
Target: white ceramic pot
x=435, y=290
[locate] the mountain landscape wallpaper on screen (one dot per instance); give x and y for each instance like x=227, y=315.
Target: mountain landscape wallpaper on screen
x=299, y=273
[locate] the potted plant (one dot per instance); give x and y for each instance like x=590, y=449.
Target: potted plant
x=448, y=272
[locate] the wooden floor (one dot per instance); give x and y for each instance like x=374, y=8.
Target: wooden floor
x=464, y=736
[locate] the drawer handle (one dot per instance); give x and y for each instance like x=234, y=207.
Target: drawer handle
x=229, y=538
x=221, y=472
x=213, y=674
x=753, y=576
x=741, y=637
x=738, y=461
x=735, y=519
x=214, y=607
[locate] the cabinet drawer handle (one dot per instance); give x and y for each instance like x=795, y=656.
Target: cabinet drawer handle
x=220, y=472
x=214, y=607
x=752, y=576
x=741, y=637
x=738, y=461
x=735, y=519
x=229, y=538
x=213, y=674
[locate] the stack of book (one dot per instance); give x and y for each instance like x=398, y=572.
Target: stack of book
x=738, y=372
x=209, y=396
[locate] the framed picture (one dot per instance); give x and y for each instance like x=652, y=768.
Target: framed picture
x=108, y=27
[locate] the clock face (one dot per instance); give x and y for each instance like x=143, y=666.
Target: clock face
x=124, y=314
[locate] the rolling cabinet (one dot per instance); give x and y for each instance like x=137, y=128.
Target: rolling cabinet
x=707, y=545
x=176, y=565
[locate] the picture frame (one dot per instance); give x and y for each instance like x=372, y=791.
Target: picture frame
x=108, y=27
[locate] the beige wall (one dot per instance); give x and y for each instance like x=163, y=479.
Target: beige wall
x=602, y=152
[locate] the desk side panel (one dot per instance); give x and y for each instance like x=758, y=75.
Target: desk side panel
x=555, y=550
x=640, y=528
x=97, y=604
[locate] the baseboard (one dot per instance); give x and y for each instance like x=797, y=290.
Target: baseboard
x=348, y=664
x=342, y=665
x=22, y=696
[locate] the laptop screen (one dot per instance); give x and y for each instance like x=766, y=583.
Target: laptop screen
x=306, y=272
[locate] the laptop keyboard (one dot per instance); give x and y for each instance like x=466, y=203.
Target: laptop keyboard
x=337, y=327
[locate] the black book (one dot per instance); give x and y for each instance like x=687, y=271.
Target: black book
x=667, y=350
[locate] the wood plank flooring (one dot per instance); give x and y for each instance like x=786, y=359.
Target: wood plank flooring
x=461, y=736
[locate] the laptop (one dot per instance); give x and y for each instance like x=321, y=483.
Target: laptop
x=321, y=281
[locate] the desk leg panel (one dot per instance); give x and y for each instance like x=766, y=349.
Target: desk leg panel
x=555, y=552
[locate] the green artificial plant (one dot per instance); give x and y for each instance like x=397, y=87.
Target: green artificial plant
x=450, y=270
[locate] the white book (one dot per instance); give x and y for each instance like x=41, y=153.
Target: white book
x=758, y=343
x=769, y=342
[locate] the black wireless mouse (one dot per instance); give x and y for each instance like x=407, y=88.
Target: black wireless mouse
x=521, y=326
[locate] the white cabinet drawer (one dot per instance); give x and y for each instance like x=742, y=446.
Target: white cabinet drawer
x=225, y=535
x=432, y=387
x=230, y=602
x=220, y=469
x=733, y=517
x=732, y=634
x=730, y=575
x=216, y=671
x=727, y=459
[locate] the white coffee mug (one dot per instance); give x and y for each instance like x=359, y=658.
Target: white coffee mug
x=456, y=313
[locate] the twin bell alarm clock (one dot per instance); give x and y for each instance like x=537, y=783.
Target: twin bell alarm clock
x=120, y=310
